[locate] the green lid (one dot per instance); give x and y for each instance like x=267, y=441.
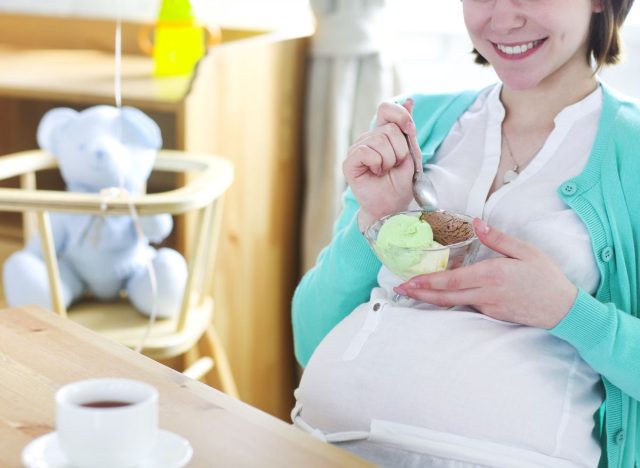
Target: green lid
x=176, y=10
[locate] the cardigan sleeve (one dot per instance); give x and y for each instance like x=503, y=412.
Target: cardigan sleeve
x=608, y=339
x=344, y=274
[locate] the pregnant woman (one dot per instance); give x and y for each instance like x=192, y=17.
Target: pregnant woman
x=528, y=357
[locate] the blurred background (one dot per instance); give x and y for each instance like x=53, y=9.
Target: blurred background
x=426, y=39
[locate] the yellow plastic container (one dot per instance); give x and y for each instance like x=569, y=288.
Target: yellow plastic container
x=179, y=41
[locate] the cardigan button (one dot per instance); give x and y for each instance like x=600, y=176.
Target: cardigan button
x=606, y=254
x=569, y=188
x=376, y=307
x=619, y=437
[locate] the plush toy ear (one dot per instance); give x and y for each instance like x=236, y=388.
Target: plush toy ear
x=50, y=125
x=140, y=129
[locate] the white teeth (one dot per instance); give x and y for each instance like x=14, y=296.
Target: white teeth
x=519, y=49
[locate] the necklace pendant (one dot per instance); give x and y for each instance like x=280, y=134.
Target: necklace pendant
x=510, y=175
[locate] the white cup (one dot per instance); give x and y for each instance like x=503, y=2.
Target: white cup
x=107, y=422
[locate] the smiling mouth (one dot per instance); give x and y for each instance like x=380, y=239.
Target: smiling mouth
x=519, y=50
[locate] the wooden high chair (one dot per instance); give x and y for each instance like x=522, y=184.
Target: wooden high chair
x=191, y=335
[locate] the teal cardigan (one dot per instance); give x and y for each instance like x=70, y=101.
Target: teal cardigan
x=604, y=329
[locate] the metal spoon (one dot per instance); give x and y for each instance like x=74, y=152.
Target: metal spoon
x=423, y=190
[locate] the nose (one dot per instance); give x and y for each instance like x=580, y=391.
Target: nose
x=507, y=15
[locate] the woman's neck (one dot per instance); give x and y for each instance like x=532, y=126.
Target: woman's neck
x=530, y=118
x=539, y=106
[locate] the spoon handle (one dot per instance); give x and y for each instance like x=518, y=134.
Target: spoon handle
x=416, y=167
x=424, y=193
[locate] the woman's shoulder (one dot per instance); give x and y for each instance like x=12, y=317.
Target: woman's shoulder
x=626, y=110
x=620, y=132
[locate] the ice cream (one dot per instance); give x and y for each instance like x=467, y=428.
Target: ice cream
x=405, y=245
x=404, y=230
x=447, y=228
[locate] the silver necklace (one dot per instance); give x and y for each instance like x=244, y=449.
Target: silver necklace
x=510, y=174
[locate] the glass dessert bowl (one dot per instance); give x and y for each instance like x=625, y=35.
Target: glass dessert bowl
x=414, y=242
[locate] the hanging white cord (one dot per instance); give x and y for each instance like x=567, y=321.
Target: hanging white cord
x=121, y=192
x=117, y=76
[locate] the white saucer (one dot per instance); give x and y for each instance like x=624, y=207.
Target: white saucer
x=170, y=451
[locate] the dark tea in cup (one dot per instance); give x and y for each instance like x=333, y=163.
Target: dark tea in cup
x=106, y=404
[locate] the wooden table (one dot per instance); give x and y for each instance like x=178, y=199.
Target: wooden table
x=39, y=352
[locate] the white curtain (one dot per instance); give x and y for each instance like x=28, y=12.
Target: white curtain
x=348, y=77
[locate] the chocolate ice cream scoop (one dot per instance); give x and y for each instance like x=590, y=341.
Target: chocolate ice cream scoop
x=447, y=228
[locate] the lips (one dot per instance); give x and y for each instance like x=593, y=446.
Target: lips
x=516, y=51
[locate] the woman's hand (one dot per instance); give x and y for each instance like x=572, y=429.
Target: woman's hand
x=378, y=166
x=524, y=287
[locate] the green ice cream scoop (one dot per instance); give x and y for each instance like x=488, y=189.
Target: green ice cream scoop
x=403, y=244
x=405, y=231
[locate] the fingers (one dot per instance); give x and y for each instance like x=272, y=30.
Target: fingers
x=388, y=134
x=485, y=273
x=381, y=149
x=503, y=243
x=383, y=152
x=362, y=159
x=386, y=146
x=399, y=115
x=466, y=285
x=442, y=298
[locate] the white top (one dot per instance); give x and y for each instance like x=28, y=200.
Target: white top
x=479, y=386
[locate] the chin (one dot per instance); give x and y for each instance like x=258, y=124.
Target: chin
x=518, y=82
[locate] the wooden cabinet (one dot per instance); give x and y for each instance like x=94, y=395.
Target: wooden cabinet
x=244, y=102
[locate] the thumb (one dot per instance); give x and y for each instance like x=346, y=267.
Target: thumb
x=501, y=242
x=408, y=104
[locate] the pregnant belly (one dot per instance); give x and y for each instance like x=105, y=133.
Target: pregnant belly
x=457, y=372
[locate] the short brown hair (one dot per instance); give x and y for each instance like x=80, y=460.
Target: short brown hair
x=604, y=34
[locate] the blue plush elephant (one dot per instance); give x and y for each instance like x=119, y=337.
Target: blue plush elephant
x=98, y=148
